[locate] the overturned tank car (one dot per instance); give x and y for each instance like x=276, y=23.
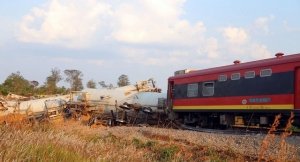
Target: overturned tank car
x=37, y=109
x=122, y=105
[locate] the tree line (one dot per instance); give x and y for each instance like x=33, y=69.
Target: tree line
x=15, y=83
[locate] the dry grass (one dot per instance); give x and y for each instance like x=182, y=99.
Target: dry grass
x=269, y=139
x=284, y=152
x=73, y=141
x=49, y=144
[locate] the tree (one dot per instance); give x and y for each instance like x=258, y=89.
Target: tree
x=62, y=90
x=34, y=83
x=123, y=80
x=16, y=83
x=3, y=90
x=74, y=77
x=110, y=86
x=52, y=80
x=91, y=84
x=104, y=85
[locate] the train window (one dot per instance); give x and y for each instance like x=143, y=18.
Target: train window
x=265, y=72
x=249, y=74
x=235, y=76
x=208, y=89
x=192, y=90
x=222, y=78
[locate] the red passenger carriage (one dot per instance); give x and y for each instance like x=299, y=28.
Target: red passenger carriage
x=243, y=94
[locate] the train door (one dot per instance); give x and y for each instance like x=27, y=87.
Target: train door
x=170, y=94
x=297, y=88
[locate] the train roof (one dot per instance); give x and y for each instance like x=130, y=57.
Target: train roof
x=280, y=59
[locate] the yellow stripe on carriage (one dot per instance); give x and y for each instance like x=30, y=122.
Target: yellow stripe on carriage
x=236, y=107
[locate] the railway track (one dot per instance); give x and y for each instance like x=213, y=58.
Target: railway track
x=162, y=122
x=235, y=131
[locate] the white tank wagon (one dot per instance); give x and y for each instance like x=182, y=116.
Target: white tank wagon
x=97, y=102
x=142, y=108
x=105, y=99
x=155, y=102
x=46, y=107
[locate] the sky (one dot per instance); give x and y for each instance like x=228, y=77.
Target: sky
x=141, y=38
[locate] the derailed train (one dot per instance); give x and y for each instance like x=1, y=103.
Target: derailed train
x=240, y=95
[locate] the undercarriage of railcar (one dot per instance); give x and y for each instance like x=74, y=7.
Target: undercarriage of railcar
x=238, y=120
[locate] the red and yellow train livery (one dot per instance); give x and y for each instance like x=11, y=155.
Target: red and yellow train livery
x=242, y=94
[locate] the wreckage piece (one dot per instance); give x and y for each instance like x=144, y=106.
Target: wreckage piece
x=96, y=101
x=8, y=107
x=38, y=109
x=117, y=117
x=2, y=107
x=12, y=96
x=135, y=114
x=132, y=114
x=54, y=107
x=47, y=107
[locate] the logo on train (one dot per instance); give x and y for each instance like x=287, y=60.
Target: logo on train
x=244, y=101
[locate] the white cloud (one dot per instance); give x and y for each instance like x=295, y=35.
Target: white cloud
x=259, y=51
x=155, y=21
x=67, y=23
x=235, y=35
x=262, y=23
x=145, y=32
x=212, y=48
x=237, y=43
x=246, y=52
x=77, y=23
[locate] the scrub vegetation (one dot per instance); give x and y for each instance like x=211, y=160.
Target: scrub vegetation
x=15, y=83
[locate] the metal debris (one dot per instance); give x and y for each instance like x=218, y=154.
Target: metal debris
x=139, y=104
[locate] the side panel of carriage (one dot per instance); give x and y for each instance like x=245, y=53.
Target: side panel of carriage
x=297, y=88
x=260, y=88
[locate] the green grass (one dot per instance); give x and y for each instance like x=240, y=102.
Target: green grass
x=51, y=152
x=167, y=153
x=140, y=144
x=295, y=129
